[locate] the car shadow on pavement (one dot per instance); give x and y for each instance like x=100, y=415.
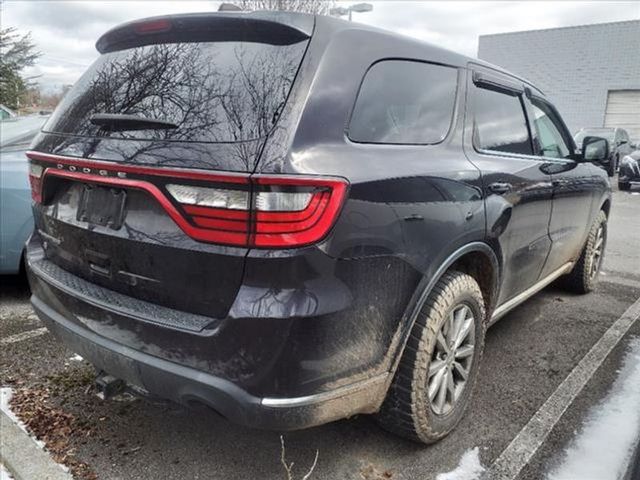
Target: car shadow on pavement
x=14, y=287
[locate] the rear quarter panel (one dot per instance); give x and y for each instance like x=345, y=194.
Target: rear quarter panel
x=408, y=208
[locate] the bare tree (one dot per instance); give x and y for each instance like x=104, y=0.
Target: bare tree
x=306, y=6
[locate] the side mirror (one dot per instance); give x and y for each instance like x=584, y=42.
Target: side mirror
x=595, y=149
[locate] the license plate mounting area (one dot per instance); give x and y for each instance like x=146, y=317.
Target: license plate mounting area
x=103, y=206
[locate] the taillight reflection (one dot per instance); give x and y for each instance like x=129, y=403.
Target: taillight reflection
x=210, y=197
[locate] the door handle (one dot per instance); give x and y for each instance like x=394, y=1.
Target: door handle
x=500, y=188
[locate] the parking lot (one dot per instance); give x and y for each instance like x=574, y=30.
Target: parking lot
x=528, y=355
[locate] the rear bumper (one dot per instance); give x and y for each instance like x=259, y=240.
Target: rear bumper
x=309, y=339
x=189, y=386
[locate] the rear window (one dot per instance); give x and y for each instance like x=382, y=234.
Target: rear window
x=404, y=102
x=213, y=91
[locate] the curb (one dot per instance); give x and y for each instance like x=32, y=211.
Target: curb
x=23, y=458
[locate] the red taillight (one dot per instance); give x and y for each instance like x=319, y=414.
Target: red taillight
x=35, y=180
x=280, y=211
x=302, y=226
x=243, y=210
x=153, y=26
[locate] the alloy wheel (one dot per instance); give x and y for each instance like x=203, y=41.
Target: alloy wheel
x=598, y=248
x=451, y=360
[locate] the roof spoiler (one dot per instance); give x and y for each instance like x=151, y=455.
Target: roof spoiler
x=264, y=27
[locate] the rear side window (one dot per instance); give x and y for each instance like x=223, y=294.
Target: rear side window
x=213, y=91
x=499, y=123
x=404, y=102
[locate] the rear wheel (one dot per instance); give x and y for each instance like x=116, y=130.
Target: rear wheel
x=437, y=371
x=584, y=276
x=624, y=186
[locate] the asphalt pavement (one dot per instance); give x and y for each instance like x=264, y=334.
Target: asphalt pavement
x=529, y=354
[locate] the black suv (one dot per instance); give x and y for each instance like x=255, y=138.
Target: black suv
x=619, y=143
x=629, y=173
x=294, y=219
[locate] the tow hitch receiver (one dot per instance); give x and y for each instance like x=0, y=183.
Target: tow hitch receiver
x=108, y=386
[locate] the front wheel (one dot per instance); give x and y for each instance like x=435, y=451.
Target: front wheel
x=584, y=276
x=624, y=186
x=434, y=380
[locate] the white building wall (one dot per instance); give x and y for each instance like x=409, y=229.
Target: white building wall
x=574, y=66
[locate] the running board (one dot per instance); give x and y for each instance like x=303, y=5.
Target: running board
x=529, y=292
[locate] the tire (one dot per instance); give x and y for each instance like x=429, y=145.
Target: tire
x=408, y=409
x=584, y=276
x=624, y=186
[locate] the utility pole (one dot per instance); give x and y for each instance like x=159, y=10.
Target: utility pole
x=358, y=7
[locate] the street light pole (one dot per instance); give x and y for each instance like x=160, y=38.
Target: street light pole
x=358, y=7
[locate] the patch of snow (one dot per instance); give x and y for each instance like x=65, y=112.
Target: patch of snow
x=76, y=358
x=4, y=473
x=469, y=467
x=5, y=399
x=604, y=446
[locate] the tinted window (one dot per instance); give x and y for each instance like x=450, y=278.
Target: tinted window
x=213, y=91
x=404, y=102
x=500, y=123
x=552, y=143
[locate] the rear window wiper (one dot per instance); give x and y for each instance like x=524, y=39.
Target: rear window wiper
x=121, y=122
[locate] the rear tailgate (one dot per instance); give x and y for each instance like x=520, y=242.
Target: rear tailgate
x=156, y=213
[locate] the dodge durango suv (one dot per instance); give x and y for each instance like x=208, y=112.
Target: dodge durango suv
x=293, y=219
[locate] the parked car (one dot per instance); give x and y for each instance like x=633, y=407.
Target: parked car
x=16, y=220
x=629, y=173
x=293, y=219
x=618, y=139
